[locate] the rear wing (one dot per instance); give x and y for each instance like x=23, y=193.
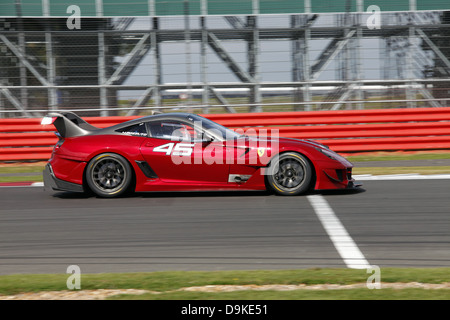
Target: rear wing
x=68, y=124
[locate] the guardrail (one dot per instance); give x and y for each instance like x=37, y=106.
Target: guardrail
x=345, y=131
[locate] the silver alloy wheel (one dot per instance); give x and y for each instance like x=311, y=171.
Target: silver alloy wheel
x=108, y=174
x=292, y=174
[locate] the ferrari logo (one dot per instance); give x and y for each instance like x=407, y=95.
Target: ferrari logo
x=261, y=151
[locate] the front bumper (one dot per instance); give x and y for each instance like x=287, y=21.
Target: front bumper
x=352, y=184
x=50, y=181
x=335, y=175
x=342, y=177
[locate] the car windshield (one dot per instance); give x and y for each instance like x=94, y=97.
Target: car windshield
x=215, y=128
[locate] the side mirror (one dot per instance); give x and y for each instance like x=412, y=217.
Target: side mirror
x=207, y=139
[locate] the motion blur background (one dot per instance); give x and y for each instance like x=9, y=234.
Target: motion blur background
x=115, y=57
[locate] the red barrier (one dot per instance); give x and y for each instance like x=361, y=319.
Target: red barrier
x=344, y=131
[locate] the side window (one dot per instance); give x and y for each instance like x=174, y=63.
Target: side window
x=134, y=130
x=173, y=130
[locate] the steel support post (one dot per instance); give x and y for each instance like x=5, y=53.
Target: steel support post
x=300, y=61
x=157, y=57
x=187, y=40
x=253, y=67
x=347, y=72
x=22, y=68
x=306, y=68
x=2, y=106
x=204, y=64
x=306, y=62
x=297, y=60
x=386, y=61
x=359, y=76
x=253, y=58
x=51, y=71
x=203, y=53
x=410, y=90
x=102, y=75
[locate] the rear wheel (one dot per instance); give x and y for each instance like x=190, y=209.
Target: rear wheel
x=109, y=175
x=291, y=174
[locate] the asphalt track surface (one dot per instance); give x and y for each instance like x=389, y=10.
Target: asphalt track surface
x=392, y=223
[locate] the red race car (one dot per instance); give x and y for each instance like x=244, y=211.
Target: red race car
x=186, y=152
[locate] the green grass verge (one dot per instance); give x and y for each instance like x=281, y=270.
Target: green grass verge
x=6, y=169
x=401, y=170
x=383, y=156
x=22, y=179
x=346, y=294
x=168, y=282
x=33, y=173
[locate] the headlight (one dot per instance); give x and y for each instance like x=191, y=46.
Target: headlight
x=330, y=154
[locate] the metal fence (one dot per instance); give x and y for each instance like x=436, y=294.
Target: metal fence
x=224, y=63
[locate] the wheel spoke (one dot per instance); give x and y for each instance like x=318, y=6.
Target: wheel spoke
x=108, y=174
x=290, y=174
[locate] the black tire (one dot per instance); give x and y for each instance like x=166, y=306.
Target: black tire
x=109, y=175
x=290, y=174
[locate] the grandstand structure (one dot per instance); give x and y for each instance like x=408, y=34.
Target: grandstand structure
x=110, y=57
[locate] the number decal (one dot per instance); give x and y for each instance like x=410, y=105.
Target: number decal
x=165, y=148
x=180, y=149
x=183, y=149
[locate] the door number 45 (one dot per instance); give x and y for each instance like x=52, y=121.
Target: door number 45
x=180, y=149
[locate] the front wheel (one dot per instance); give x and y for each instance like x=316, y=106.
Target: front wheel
x=291, y=174
x=109, y=175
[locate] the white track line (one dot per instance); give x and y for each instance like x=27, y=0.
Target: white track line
x=406, y=176
x=37, y=184
x=32, y=184
x=342, y=241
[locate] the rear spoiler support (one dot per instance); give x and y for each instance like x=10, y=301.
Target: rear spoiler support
x=68, y=124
